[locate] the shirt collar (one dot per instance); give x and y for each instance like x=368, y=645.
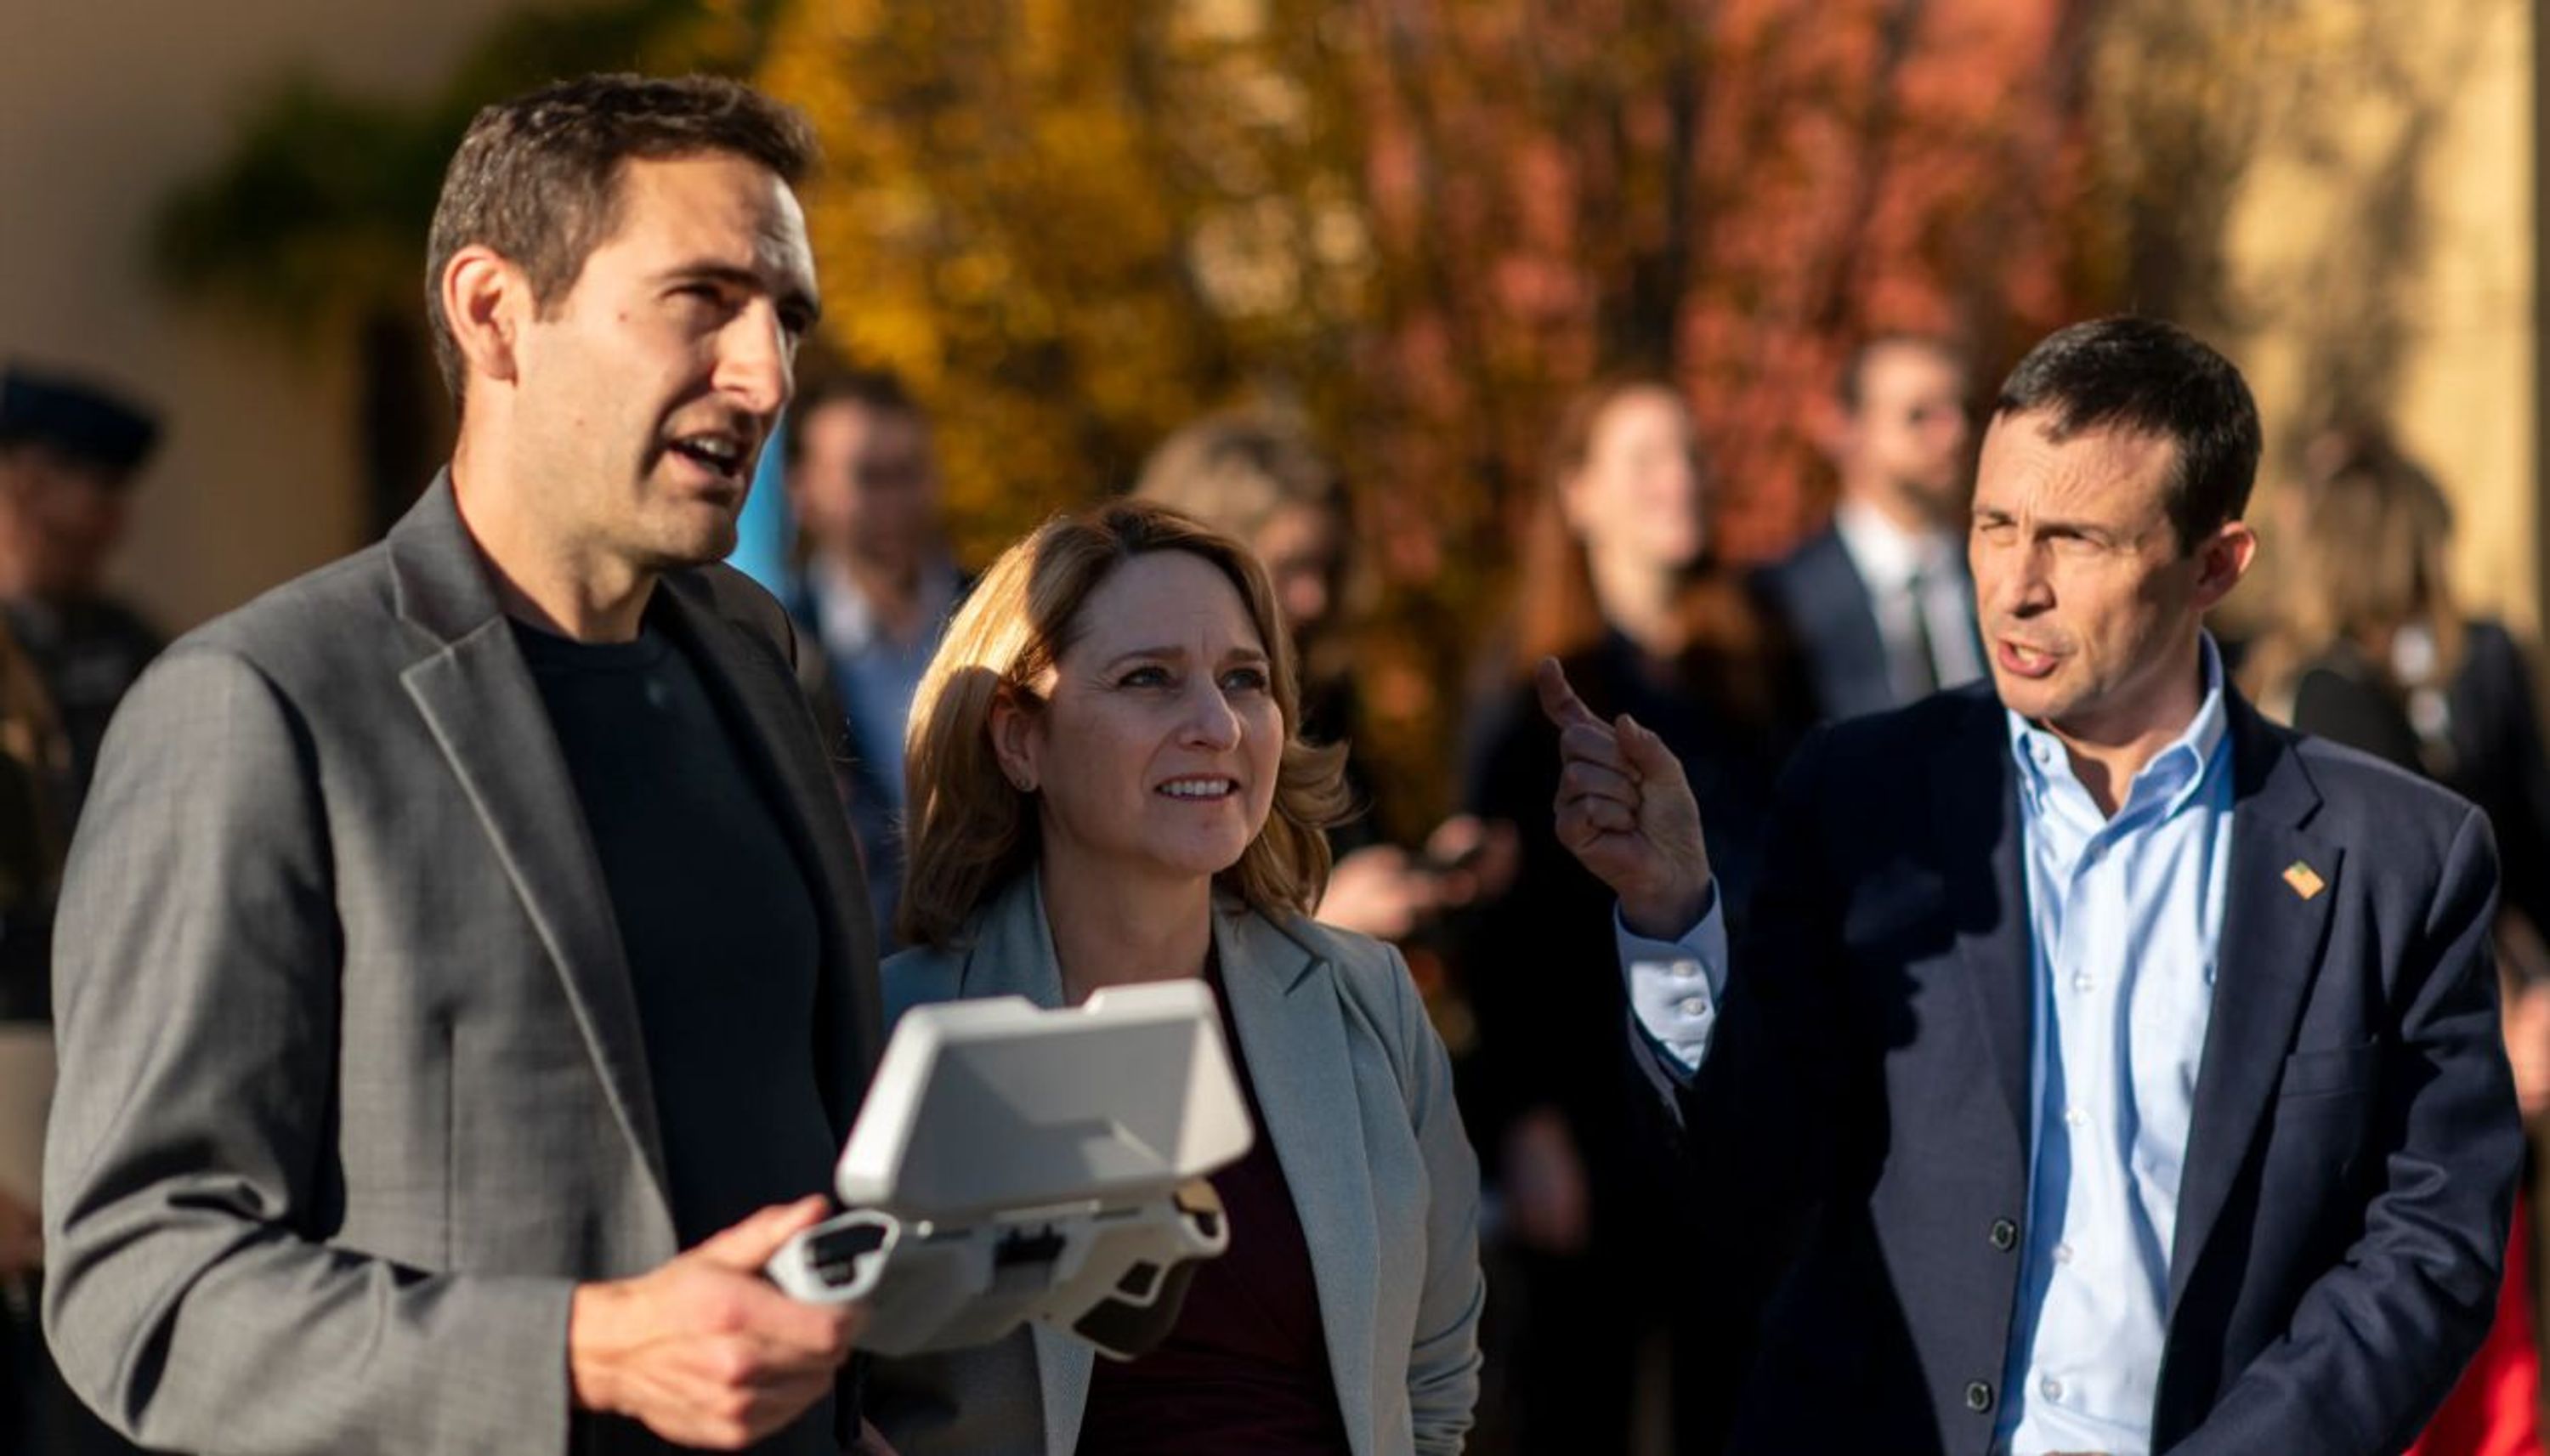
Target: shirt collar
x=846, y=619
x=1886, y=554
x=2175, y=773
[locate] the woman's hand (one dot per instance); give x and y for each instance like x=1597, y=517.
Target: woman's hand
x=1547, y=1203
x=2526, y=1022
x=1378, y=891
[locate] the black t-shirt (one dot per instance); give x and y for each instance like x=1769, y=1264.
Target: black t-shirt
x=717, y=919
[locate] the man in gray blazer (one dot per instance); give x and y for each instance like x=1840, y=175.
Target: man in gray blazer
x=464, y=971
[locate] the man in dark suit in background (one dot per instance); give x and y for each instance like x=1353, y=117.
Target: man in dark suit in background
x=69, y=452
x=874, y=591
x=2131, y=1064
x=1880, y=601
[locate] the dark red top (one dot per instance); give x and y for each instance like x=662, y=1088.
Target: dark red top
x=1244, y=1372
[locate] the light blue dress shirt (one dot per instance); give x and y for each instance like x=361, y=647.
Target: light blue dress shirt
x=2124, y=915
x=876, y=674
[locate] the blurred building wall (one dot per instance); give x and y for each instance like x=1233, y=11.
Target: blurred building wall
x=2384, y=245
x=104, y=106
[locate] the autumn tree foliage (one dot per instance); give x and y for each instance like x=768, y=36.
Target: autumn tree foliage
x=1076, y=222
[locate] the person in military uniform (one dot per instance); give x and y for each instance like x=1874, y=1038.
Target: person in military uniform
x=69, y=451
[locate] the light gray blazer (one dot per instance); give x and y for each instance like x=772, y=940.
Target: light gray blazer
x=352, y=1085
x=1357, y=1096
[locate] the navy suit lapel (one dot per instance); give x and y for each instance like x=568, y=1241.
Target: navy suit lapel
x=1975, y=807
x=2272, y=938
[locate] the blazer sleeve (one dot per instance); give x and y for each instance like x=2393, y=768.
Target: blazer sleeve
x=2377, y=1342
x=1761, y=1118
x=1443, y=1358
x=189, y=1298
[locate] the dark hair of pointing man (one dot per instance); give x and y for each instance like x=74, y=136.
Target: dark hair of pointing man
x=2136, y=1059
x=464, y=976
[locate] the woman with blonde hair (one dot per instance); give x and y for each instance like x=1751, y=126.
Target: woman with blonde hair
x=2369, y=649
x=1108, y=785
x=1622, y=583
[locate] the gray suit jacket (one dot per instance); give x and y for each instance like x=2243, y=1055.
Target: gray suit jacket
x=1357, y=1094
x=352, y=1085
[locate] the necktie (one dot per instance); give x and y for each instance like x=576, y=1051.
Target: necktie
x=1924, y=678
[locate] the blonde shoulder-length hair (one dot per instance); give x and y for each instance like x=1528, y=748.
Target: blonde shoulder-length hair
x=968, y=831
x=2369, y=559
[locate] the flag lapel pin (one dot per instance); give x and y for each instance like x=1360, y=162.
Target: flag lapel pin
x=2305, y=880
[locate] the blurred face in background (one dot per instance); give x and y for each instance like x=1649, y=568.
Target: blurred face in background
x=1157, y=737
x=1640, y=502
x=1304, y=548
x=60, y=519
x=864, y=488
x=1904, y=447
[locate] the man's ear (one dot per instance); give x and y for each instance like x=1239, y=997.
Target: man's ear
x=2224, y=560
x=487, y=300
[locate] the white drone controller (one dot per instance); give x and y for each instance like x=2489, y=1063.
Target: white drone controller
x=1015, y=1164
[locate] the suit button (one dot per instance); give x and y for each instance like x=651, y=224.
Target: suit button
x=2004, y=1235
x=1978, y=1396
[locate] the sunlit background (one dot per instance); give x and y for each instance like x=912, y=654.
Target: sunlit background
x=1073, y=223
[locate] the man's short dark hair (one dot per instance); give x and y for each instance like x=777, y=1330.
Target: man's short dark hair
x=880, y=391
x=1852, y=387
x=2151, y=379
x=537, y=178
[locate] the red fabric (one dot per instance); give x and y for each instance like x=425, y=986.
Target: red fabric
x=2495, y=1410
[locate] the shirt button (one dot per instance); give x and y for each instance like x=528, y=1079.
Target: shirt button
x=1978, y=1396
x=2063, y=1253
x=1684, y=970
x=1693, y=1006
x=2081, y=981
x=2075, y=1118
x=2051, y=1388
x=2004, y=1235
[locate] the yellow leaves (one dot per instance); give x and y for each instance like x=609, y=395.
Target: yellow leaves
x=1075, y=224
x=1010, y=218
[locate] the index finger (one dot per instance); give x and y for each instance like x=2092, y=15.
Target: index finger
x=1557, y=699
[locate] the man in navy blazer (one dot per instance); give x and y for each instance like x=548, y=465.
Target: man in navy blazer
x=2121, y=1071
x=1878, y=601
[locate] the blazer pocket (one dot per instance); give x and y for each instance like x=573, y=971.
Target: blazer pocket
x=2321, y=1073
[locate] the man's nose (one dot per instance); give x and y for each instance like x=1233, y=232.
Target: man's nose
x=2026, y=586
x=756, y=360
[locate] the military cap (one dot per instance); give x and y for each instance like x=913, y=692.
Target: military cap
x=90, y=423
